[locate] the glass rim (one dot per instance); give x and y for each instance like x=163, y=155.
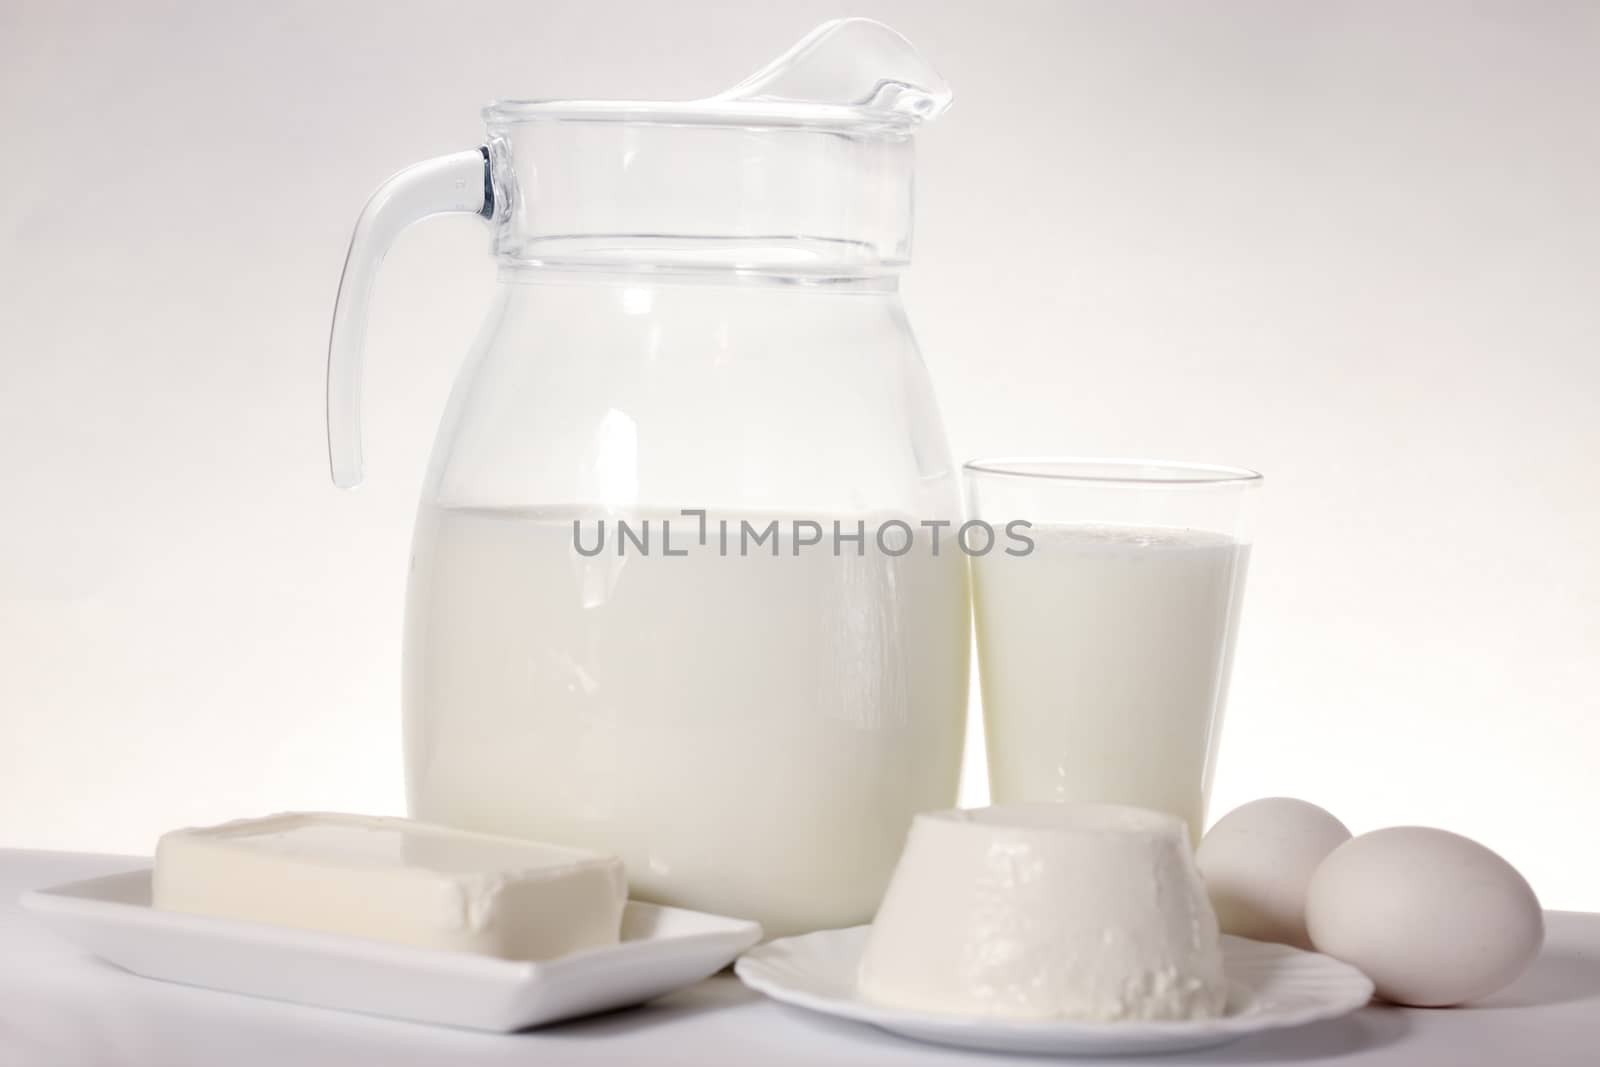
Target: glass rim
x=1113, y=472
x=749, y=116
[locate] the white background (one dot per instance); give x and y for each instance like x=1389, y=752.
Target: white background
x=1354, y=245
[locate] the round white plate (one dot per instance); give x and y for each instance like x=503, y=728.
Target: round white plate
x=1270, y=987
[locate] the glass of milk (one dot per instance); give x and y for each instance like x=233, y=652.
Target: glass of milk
x=1106, y=615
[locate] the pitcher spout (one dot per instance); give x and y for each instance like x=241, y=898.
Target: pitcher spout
x=855, y=63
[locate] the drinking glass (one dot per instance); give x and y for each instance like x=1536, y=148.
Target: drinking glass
x=1106, y=614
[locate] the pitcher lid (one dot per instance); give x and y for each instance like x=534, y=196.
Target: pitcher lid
x=851, y=73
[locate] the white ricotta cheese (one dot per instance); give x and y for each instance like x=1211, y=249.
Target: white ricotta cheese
x=1047, y=911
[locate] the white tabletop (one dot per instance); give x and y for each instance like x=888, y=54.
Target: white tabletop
x=61, y=1007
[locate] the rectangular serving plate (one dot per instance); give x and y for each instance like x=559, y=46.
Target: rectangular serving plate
x=662, y=949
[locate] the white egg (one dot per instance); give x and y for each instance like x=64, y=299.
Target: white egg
x=1432, y=917
x=1257, y=861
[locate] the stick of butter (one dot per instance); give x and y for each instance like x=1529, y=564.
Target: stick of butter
x=395, y=880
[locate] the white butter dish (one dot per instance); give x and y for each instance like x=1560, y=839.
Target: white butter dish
x=662, y=949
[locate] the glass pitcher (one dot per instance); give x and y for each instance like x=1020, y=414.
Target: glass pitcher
x=652, y=606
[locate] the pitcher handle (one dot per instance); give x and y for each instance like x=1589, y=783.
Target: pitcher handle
x=460, y=182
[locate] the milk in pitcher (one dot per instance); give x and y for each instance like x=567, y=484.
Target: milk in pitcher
x=751, y=733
